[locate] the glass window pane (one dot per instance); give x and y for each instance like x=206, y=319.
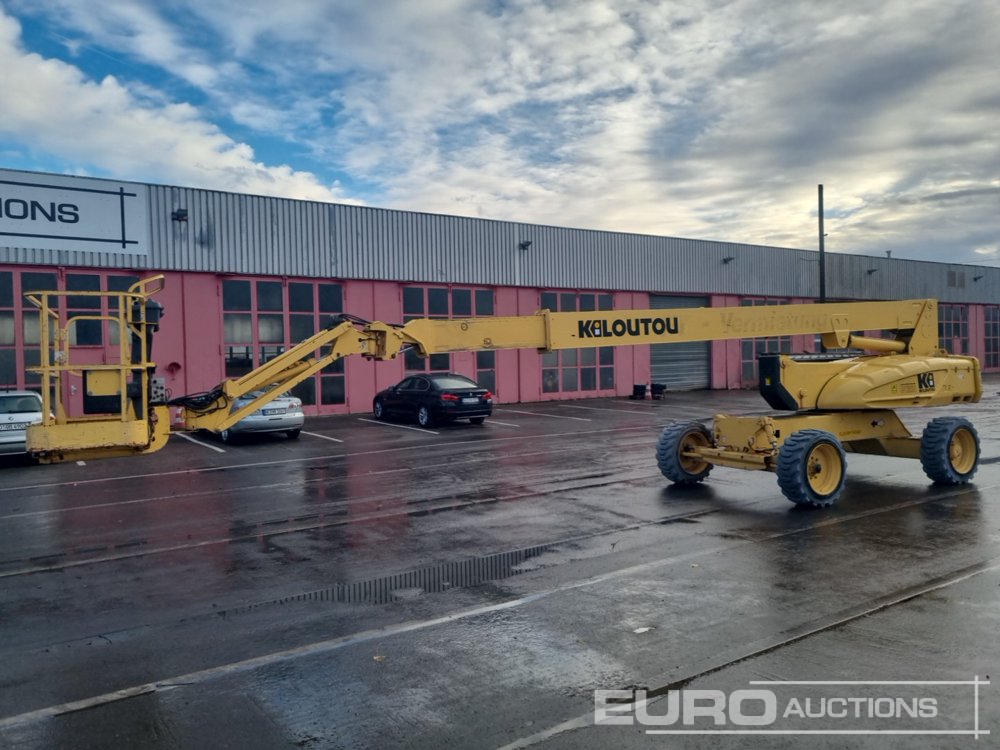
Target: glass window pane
x=332, y=389
x=237, y=328
x=413, y=300
x=77, y=282
x=588, y=378
x=567, y=302
x=486, y=360
x=461, y=303
x=550, y=301
x=32, y=330
x=300, y=298
x=588, y=356
x=306, y=391
x=118, y=284
x=607, y=355
x=85, y=333
x=267, y=353
x=8, y=370
x=6, y=328
x=6, y=289
x=569, y=358
x=412, y=360
x=550, y=381
x=331, y=298
x=238, y=361
x=484, y=302
x=300, y=327
x=550, y=359
x=607, y=378
x=440, y=362
x=605, y=302
x=270, y=328
x=37, y=282
x=437, y=301
x=334, y=368
x=235, y=295
x=270, y=295
x=487, y=379
x=587, y=302
x=569, y=380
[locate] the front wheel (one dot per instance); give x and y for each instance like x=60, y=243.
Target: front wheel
x=378, y=409
x=293, y=434
x=676, y=452
x=811, y=468
x=949, y=450
x=424, y=417
x=477, y=420
x=226, y=436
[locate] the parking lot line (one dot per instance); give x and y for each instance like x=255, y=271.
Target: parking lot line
x=542, y=414
x=505, y=424
x=215, y=448
x=402, y=426
x=603, y=408
x=325, y=437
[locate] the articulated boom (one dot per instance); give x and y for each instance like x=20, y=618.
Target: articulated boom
x=837, y=404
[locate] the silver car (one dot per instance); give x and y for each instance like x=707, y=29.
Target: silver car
x=18, y=409
x=283, y=414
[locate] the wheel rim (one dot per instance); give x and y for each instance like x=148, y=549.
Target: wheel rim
x=423, y=416
x=689, y=460
x=962, y=451
x=824, y=469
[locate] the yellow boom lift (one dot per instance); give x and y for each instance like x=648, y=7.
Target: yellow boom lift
x=834, y=404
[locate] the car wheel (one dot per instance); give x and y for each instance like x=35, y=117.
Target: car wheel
x=477, y=420
x=293, y=434
x=378, y=409
x=226, y=436
x=424, y=417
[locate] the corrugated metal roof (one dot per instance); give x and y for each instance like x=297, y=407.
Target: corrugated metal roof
x=234, y=233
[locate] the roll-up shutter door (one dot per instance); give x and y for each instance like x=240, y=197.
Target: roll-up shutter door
x=684, y=366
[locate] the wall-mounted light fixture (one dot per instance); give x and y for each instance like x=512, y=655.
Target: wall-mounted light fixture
x=872, y=270
x=524, y=244
x=179, y=214
x=727, y=260
x=977, y=278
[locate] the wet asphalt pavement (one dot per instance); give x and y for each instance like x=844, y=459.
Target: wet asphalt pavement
x=379, y=586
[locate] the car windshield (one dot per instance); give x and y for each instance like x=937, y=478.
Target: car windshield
x=454, y=381
x=19, y=404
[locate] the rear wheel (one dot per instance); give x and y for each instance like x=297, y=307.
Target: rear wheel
x=676, y=452
x=477, y=420
x=424, y=417
x=811, y=468
x=378, y=409
x=949, y=450
x=293, y=434
x=227, y=436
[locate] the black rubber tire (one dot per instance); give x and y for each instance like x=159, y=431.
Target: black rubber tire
x=675, y=439
x=477, y=420
x=424, y=417
x=293, y=434
x=811, y=468
x=949, y=450
x=378, y=409
x=227, y=436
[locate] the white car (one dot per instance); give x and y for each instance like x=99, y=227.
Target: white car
x=18, y=409
x=283, y=414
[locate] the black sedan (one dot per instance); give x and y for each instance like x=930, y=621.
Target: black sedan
x=435, y=398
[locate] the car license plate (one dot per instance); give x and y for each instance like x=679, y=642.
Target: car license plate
x=272, y=412
x=14, y=426
x=472, y=400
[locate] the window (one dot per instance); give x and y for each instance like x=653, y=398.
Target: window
x=751, y=349
x=8, y=332
x=578, y=370
x=953, y=328
x=262, y=319
x=992, y=336
x=443, y=303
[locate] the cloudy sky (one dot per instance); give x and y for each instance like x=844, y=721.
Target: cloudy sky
x=698, y=118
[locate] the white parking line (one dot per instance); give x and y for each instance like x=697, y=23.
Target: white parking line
x=541, y=414
x=505, y=424
x=599, y=408
x=215, y=448
x=325, y=437
x=401, y=426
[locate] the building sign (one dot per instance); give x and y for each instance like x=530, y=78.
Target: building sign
x=53, y=212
